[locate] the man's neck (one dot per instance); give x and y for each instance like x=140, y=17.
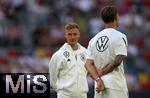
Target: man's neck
x=74, y=47
x=111, y=25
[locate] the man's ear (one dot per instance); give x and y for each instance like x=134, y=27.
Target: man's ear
x=65, y=35
x=79, y=34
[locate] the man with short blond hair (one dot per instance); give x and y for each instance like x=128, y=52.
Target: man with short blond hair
x=66, y=67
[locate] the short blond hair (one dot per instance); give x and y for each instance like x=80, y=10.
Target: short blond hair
x=71, y=25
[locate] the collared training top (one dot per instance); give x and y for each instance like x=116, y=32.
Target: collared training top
x=67, y=71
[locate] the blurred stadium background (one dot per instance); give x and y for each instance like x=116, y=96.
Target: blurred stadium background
x=32, y=30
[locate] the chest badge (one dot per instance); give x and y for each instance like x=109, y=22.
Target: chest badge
x=66, y=54
x=82, y=57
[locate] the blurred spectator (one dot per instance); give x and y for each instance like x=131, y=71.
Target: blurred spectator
x=11, y=36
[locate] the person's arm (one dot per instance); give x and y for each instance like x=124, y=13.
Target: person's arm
x=53, y=70
x=120, y=50
x=110, y=67
x=90, y=67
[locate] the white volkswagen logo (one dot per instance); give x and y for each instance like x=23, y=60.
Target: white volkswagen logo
x=102, y=43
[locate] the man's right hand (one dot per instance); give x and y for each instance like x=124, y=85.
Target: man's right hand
x=100, y=85
x=100, y=72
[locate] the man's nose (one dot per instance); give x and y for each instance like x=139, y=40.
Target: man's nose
x=72, y=36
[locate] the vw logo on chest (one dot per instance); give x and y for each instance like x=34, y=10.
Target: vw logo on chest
x=66, y=54
x=102, y=43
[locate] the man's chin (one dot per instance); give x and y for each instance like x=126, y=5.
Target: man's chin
x=71, y=43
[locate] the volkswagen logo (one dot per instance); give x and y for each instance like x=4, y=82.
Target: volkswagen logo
x=102, y=43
